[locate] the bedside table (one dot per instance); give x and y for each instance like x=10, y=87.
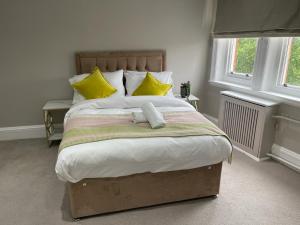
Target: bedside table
x=54, y=131
x=192, y=99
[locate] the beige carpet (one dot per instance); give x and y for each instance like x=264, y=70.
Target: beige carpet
x=251, y=193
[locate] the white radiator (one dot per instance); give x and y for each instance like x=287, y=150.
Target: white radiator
x=248, y=122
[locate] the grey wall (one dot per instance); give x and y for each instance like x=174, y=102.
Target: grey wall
x=39, y=38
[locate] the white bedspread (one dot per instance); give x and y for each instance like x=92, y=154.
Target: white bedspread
x=121, y=157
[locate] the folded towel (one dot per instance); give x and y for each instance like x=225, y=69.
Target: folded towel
x=138, y=117
x=154, y=117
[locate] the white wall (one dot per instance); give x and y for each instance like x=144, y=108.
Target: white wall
x=39, y=39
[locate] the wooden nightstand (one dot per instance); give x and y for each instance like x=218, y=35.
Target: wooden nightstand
x=192, y=99
x=54, y=131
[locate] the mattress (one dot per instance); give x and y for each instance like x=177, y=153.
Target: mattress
x=126, y=156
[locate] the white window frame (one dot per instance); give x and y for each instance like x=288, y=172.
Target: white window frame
x=269, y=67
x=237, y=78
x=223, y=53
x=283, y=66
x=230, y=69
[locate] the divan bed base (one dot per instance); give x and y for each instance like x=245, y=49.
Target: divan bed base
x=103, y=195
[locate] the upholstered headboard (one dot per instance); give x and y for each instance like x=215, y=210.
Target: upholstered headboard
x=152, y=60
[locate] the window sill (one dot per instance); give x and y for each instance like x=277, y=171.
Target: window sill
x=283, y=98
x=232, y=86
x=280, y=98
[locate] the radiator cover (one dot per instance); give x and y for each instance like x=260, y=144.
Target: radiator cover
x=248, y=122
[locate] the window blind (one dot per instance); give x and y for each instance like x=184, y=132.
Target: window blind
x=256, y=18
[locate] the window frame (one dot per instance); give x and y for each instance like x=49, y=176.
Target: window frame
x=270, y=63
x=237, y=78
x=280, y=87
x=231, y=56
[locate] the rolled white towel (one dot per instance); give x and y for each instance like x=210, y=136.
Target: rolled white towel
x=138, y=117
x=154, y=117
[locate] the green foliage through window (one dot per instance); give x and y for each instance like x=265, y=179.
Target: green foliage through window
x=293, y=71
x=244, y=55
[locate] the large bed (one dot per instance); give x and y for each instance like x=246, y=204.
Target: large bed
x=124, y=173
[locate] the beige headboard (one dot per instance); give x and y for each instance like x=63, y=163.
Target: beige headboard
x=152, y=60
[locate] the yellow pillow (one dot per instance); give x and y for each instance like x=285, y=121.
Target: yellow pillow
x=94, y=86
x=152, y=86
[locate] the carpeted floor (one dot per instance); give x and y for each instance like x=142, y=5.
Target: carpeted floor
x=251, y=193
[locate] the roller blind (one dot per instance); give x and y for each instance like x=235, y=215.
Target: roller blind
x=255, y=18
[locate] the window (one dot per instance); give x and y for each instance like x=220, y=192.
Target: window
x=239, y=57
x=270, y=65
x=291, y=73
x=243, y=56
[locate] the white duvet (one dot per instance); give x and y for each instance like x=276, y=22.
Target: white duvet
x=121, y=157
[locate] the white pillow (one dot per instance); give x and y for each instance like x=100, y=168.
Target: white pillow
x=114, y=78
x=135, y=78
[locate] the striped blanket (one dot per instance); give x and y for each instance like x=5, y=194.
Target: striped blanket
x=91, y=128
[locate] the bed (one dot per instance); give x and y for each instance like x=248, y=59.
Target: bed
x=125, y=173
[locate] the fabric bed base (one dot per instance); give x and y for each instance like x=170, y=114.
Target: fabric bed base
x=104, y=195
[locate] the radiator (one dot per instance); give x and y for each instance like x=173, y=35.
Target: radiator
x=248, y=122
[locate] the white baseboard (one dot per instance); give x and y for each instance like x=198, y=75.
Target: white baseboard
x=249, y=155
x=38, y=131
x=286, y=157
x=278, y=153
x=22, y=132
